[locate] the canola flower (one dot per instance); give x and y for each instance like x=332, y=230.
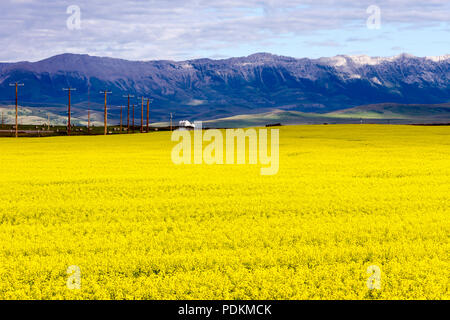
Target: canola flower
x=346, y=197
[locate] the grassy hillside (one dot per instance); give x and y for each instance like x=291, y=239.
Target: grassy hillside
x=379, y=113
x=278, y=116
x=39, y=116
x=397, y=111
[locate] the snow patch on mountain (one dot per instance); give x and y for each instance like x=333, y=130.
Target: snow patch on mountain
x=438, y=58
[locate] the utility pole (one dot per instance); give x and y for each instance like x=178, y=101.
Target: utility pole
x=48, y=121
x=17, y=85
x=148, y=111
x=69, y=125
x=89, y=121
x=142, y=115
x=121, y=119
x=2, y=119
x=106, y=92
x=89, y=109
x=128, y=113
x=171, y=116
x=133, y=119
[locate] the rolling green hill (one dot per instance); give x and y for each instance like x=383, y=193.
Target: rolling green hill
x=375, y=113
x=396, y=111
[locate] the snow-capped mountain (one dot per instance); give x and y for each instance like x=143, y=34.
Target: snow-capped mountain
x=209, y=89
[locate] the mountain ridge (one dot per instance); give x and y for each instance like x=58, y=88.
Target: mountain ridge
x=208, y=89
x=254, y=56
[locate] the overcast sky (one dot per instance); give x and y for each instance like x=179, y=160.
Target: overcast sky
x=185, y=29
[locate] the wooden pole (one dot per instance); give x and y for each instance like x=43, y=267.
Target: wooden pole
x=142, y=115
x=17, y=130
x=148, y=107
x=106, y=112
x=106, y=116
x=133, y=120
x=89, y=109
x=69, y=124
x=121, y=119
x=128, y=115
x=128, y=112
x=69, y=113
x=17, y=85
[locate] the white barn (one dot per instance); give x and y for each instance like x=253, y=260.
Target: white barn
x=186, y=124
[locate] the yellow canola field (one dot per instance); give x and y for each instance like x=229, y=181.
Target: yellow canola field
x=346, y=197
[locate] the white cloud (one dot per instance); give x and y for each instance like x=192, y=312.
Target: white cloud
x=176, y=29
